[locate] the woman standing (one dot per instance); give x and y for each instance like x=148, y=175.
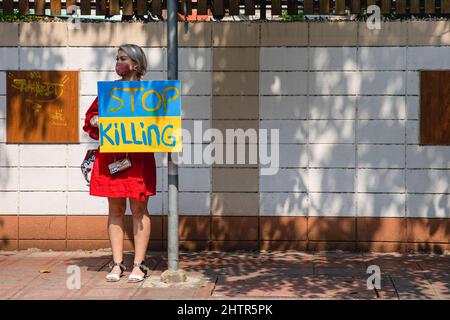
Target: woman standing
x=136, y=183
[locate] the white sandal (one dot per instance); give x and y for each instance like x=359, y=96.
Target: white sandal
x=114, y=277
x=137, y=278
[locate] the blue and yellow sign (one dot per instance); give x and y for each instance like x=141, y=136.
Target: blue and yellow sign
x=139, y=116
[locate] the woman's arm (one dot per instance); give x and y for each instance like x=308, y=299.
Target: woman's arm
x=88, y=127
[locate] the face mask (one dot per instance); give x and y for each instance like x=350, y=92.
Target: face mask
x=122, y=68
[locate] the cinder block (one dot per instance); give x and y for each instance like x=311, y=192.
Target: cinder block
x=49, y=58
x=381, y=156
x=332, y=204
x=289, y=131
x=43, y=203
x=331, y=131
x=9, y=58
x=10, y=34
x=332, y=155
x=38, y=34
x=235, y=59
x=284, y=59
x=283, y=204
x=437, y=157
x=195, y=203
x=332, y=107
x=43, y=155
x=279, y=34
x=9, y=203
x=392, y=33
x=428, y=181
x=381, y=107
x=382, y=82
x=381, y=205
x=195, y=179
x=287, y=180
x=334, y=83
x=85, y=204
x=331, y=180
x=192, y=59
x=428, y=33
x=9, y=155
x=283, y=83
x=195, y=83
x=381, y=131
x=428, y=205
x=336, y=34
x=10, y=179
x=382, y=58
x=381, y=180
x=428, y=58
x=196, y=107
x=193, y=34
x=55, y=179
x=243, y=34
x=332, y=58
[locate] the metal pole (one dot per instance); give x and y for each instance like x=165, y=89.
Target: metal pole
x=172, y=68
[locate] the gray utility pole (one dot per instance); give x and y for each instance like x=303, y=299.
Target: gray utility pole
x=173, y=274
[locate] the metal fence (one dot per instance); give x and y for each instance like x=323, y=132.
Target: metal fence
x=222, y=8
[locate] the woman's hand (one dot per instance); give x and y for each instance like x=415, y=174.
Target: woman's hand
x=94, y=121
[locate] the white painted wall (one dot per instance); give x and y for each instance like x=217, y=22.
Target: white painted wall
x=357, y=129
x=348, y=120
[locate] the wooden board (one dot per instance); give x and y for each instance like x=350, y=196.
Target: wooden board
x=39, y=7
x=276, y=7
x=324, y=7
x=434, y=107
x=430, y=6
x=114, y=7
x=292, y=7
x=202, y=6
x=85, y=7
x=141, y=7
x=355, y=6
x=308, y=6
x=386, y=6
x=249, y=7
x=42, y=107
x=8, y=6
x=339, y=8
x=157, y=7
x=414, y=6
x=400, y=6
x=100, y=7
x=24, y=7
x=217, y=8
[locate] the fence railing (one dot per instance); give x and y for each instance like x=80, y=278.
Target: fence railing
x=221, y=8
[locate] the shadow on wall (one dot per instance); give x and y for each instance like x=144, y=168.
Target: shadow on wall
x=336, y=98
x=328, y=176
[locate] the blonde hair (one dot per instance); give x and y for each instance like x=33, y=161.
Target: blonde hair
x=138, y=56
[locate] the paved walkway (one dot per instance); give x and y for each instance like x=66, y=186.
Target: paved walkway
x=44, y=275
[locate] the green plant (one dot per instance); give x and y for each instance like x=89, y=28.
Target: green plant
x=16, y=16
x=294, y=17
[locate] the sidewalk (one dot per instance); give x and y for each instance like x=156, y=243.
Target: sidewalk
x=243, y=275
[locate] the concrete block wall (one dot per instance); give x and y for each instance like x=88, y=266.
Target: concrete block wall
x=345, y=99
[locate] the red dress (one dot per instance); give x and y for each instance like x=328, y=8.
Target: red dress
x=136, y=182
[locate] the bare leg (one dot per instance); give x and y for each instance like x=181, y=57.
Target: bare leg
x=141, y=231
x=117, y=208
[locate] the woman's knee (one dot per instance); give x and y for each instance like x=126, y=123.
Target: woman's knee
x=117, y=207
x=138, y=209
